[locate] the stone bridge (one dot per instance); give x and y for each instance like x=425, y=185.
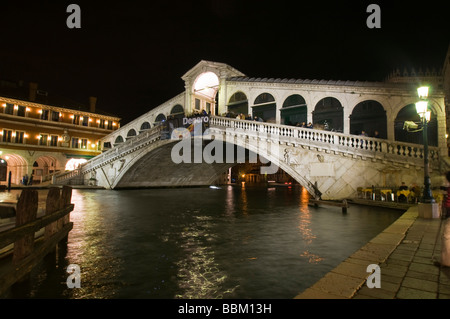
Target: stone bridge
x=338, y=160
x=337, y=163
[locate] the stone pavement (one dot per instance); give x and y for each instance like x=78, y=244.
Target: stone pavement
x=405, y=252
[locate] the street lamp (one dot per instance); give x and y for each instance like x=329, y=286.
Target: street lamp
x=425, y=115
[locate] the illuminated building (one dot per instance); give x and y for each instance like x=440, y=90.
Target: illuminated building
x=41, y=135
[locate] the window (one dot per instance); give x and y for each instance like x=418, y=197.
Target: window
x=110, y=125
x=76, y=119
x=9, y=109
x=7, y=135
x=197, y=104
x=53, y=140
x=55, y=116
x=84, y=143
x=43, y=139
x=21, y=110
x=44, y=114
x=85, y=121
x=19, y=138
x=75, y=142
x=101, y=123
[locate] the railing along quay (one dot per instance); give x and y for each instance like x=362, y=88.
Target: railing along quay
x=28, y=249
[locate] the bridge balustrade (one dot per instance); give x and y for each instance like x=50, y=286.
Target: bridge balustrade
x=332, y=141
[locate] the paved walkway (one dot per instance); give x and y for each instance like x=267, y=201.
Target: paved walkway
x=405, y=252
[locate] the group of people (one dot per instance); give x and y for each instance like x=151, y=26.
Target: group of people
x=303, y=124
x=249, y=117
x=376, y=134
x=27, y=180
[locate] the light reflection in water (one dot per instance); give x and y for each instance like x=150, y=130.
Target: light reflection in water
x=305, y=229
x=90, y=247
x=199, y=275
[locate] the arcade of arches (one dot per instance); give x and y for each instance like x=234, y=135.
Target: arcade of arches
x=40, y=168
x=367, y=117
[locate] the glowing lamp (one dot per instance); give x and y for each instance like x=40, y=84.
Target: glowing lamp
x=421, y=107
x=423, y=92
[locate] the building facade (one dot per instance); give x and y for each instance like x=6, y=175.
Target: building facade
x=38, y=138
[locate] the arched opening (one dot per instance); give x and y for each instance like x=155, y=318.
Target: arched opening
x=176, y=115
x=18, y=167
x=369, y=117
x=43, y=168
x=237, y=104
x=329, y=114
x=265, y=108
x=131, y=133
x=294, y=111
x=145, y=126
x=409, y=113
x=159, y=119
x=118, y=140
x=204, y=92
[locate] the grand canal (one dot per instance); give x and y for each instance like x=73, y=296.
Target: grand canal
x=231, y=242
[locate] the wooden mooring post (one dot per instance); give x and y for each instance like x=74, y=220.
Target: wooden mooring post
x=28, y=249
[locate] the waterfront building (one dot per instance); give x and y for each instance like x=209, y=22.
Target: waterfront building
x=42, y=134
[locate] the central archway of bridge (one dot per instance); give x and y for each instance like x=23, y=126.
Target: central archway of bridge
x=159, y=168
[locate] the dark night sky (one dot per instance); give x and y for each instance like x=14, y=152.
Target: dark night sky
x=132, y=54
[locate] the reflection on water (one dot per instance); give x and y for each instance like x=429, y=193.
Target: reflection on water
x=203, y=243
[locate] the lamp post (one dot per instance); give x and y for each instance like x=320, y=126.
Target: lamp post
x=425, y=115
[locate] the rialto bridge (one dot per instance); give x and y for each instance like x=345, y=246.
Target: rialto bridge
x=335, y=154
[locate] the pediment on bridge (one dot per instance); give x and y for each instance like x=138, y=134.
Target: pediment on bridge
x=222, y=70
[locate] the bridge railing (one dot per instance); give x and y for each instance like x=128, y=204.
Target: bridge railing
x=127, y=146
x=332, y=141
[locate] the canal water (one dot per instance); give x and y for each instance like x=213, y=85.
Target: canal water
x=225, y=243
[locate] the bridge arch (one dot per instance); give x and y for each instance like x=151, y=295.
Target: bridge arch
x=265, y=107
x=237, y=104
x=153, y=166
x=131, y=133
x=294, y=110
x=145, y=126
x=409, y=113
x=369, y=116
x=159, y=118
x=118, y=140
x=329, y=110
